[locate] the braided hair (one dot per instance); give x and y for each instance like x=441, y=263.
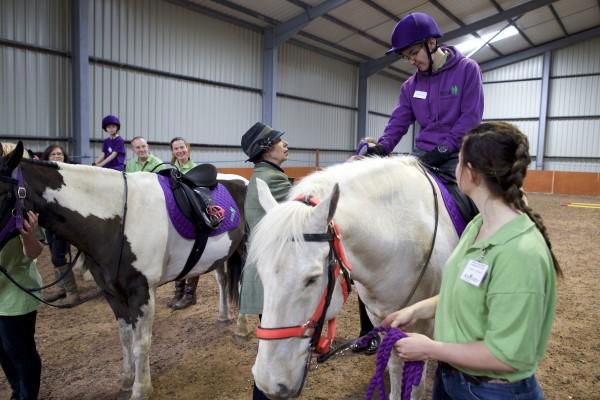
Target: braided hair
x=499, y=152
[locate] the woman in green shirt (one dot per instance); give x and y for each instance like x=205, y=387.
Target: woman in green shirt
x=185, y=289
x=496, y=306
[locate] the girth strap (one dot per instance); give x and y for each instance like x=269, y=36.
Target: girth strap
x=195, y=254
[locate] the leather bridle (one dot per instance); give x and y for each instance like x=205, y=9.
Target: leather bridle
x=337, y=264
x=20, y=193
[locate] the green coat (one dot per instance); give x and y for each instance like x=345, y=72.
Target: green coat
x=251, y=301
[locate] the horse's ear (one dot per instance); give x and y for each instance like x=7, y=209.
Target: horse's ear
x=265, y=198
x=15, y=156
x=323, y=213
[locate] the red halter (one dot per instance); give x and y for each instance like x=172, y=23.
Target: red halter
x=338, y=265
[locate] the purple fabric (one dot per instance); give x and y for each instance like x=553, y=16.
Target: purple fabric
x=453, y=105
x=411, y=374
x=185, y=227
x=117, y=145
x=457, y=219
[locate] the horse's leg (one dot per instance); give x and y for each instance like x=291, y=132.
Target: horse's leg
x=126, y=337
x=142, y=338
x=223, y=300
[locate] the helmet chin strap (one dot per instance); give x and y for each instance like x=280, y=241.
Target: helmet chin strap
x=429, y=55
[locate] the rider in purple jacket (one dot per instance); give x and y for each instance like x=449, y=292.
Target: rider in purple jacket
x=445, y=95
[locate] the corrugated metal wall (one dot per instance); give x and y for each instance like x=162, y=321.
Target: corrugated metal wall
x=35, y=87
x=573, y=123
x=200, y=77
x=382, y=97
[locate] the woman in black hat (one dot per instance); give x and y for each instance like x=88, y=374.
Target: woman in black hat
x=268, y=151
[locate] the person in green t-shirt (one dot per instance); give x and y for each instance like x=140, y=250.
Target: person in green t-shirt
x=496, y=306
x=144, y=160
x=185, y=289
x=19, y=357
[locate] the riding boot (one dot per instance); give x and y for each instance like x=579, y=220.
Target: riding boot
x=70, y=286
x=59, y=291
x=179, y=289
x=189, y=297
x=365, y=327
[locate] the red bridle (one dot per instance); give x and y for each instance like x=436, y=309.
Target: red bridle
x=338, y=265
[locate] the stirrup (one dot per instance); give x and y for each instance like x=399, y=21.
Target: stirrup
x=213, y=216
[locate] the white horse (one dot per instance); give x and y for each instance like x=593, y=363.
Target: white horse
x=385, y=210
x=120, y=222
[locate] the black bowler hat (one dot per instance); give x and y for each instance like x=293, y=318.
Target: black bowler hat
x=259, y=139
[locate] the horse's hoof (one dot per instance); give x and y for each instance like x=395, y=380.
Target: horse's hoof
x=124, y=394
x=224, y=321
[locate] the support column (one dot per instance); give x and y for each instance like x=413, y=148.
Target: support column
x=363, y=110
x=80, y=83
x=543, y=121
x=269, y=75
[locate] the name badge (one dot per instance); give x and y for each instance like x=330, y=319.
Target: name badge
x=420, y=95
x=474, y=272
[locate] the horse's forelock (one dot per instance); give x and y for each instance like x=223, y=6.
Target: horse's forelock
x=283, y=224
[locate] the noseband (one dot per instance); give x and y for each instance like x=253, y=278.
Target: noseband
x=337, y=264
x=16, y=220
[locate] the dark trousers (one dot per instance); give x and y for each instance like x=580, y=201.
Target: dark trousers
x=58, y=248
x=446, y=172
x=18, y=355
x=365, y=323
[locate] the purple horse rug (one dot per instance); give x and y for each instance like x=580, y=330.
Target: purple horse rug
x=457, y=219
x=185, y=227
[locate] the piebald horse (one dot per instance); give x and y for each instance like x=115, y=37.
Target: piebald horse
x=128, y=257
x=385, y=211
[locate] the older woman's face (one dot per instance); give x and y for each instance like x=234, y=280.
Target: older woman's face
x=278, y=153
x=56, y=155
x=180, y=151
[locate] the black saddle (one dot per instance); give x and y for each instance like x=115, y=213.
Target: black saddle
x=192, y=196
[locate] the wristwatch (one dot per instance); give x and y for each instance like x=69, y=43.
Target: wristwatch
x=442, y=148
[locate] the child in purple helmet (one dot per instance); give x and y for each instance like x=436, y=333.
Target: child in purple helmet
x=113, y=147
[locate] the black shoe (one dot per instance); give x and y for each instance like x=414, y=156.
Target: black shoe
x=370, y=348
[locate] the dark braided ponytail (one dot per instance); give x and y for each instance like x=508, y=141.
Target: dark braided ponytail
x=499, y=152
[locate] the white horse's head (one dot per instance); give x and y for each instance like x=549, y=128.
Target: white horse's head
x=294, y=274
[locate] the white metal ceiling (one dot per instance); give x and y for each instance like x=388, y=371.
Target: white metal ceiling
x=360, y=29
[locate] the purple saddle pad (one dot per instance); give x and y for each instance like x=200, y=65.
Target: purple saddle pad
x=185, y=227
x=457, y=219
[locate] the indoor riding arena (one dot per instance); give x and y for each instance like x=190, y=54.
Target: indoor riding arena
x=204, y=72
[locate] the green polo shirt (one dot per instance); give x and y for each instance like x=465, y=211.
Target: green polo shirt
x=185, y=168
x=13, y=301
x=513, y=308
x=152, y=164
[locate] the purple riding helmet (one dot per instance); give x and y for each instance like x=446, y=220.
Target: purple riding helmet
x=111, y=120
x=413, y=28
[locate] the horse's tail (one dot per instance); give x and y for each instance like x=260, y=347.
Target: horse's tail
x=235, y=264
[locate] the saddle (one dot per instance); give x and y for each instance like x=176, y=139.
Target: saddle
x=192, y=195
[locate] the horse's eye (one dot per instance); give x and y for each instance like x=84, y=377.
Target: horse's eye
x=310, y=281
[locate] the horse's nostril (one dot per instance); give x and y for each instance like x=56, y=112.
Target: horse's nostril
x=283, y=391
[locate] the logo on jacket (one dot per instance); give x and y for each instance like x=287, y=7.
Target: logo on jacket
x=454, y=90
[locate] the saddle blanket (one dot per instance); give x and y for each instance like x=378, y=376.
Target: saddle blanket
x=185, y=227
x=457, y=219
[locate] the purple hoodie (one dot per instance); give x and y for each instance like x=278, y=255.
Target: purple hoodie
x=446, y=104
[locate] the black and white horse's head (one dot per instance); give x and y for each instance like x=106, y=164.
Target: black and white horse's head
x=8, y=190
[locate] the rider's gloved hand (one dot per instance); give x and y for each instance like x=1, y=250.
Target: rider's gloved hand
x=435, y=157
x=376, y=150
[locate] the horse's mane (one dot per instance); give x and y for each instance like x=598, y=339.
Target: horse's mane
x=287, y=221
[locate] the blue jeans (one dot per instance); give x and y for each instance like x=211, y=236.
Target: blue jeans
x=453, y=385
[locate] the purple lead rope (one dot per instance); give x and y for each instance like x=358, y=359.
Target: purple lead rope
x=411, y=374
